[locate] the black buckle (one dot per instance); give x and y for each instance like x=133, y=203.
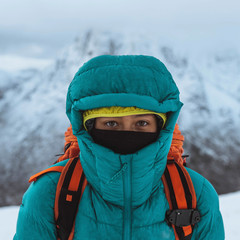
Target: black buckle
x=182, y=217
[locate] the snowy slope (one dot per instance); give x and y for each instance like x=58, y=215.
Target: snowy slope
x=33, y=120
x=12, y=63
x=229, y=205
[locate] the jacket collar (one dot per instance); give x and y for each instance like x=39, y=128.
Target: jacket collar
x=105, y=169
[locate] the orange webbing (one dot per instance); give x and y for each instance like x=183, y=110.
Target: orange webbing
x=187, y=230
x=179, y=192
x=176, y=149
x=177, y=186
x=190, y=185
x=175, y=152
x=73, y=150
x=167, y=193
x=59, y=187
x=76, y=177
x=73, y=186
x=51, y=169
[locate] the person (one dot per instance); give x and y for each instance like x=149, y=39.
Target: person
x=123, y=111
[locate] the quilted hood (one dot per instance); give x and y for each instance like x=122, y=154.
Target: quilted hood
x=126, y=81
x=131, y=80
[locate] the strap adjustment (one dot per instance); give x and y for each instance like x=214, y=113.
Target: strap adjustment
x=182, y=217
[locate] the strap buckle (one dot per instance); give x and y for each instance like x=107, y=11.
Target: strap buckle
x=183, y=217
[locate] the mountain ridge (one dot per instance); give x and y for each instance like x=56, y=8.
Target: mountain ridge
x=33, y=119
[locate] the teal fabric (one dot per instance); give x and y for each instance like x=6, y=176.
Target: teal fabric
x=125, y=196
x=126, y=81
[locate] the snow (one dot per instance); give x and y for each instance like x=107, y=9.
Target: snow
x=15, y=63
x=230, y=208
x=8, y=219
x=229, y=205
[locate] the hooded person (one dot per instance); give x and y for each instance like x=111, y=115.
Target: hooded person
x=125, y=197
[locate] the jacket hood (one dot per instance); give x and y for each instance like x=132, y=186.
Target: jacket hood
x=126, y=81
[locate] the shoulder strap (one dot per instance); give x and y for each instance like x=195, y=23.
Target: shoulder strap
x=71, y=185
x=70, y=188
x=182, y=200
x=51, y=169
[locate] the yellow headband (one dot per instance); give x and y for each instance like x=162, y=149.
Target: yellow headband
x=116, y=111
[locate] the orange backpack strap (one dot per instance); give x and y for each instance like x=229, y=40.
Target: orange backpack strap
x=182, y=200
x=51, y=169
x=71, y=185
x=71, y=148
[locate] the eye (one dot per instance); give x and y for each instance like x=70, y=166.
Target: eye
x=111, y=124
x=142, y=123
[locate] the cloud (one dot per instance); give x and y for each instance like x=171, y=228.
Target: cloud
x=43, y=15
x=57, y=22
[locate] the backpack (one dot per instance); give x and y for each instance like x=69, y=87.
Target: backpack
x=178, y=187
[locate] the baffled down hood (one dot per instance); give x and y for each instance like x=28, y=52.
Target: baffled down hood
x=126, y=81
x=105, y=81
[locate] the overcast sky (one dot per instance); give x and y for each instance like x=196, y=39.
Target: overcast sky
x=55, y=23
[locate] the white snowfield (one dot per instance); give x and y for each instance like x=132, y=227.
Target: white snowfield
x=229, y=204
x=13, y=63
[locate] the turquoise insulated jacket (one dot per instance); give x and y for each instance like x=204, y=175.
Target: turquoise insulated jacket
x=124, y=198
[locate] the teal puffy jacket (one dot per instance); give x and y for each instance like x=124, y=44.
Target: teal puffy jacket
x=124, y=198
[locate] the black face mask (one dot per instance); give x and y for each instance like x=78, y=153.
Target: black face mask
x=123, y=142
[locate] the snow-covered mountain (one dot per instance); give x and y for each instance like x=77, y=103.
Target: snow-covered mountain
x=33, y=120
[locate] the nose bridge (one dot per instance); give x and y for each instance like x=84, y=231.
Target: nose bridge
x=127, y=124
x=127, y=128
